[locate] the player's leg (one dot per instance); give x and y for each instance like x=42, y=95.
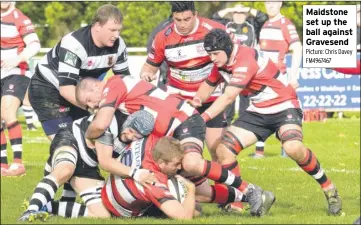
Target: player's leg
x=28, y=112
x=90, y=192
x=194, y=164
x=214, y=131
x=64, y=157
x=4, y=158
x=290, y=134
x=11, y=100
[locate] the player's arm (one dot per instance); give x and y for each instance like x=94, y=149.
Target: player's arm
x=101, y=122
x=104, y=150
x=291, y=36
x=148, y=72
x=32, y=47
x=221, y=102
x=70, y=60
x=121, y=66
x=182, y=211
x=31, y=40
x=242, y=73
x=296, y=49
x=206, y=89
x=154, y=59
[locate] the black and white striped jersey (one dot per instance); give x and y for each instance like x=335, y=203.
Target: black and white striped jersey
x=76, y=56
x=89, y=155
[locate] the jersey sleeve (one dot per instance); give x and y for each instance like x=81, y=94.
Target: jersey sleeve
x=71, y=55
x=244, y=70
x=214, y=77
x=289, y=32
x=156, y=54
x=159, y=194
x=114, y=93
x=24, y=25
x=121, y=65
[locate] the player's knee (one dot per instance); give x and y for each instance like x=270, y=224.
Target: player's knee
x=8, y=113
x=98, y=210
x=290, y=135
x=293, y=145
x=64, y=163
x=63, y=173
x=229, y=148
x=192, y=163
x=92, y=199
x=231, y=143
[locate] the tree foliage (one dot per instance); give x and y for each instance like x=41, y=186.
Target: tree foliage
x=55, y=19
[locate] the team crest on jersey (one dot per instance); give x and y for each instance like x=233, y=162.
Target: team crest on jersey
x=245, y=30
x=110, y=60
x=70, y=58
x=200, y=48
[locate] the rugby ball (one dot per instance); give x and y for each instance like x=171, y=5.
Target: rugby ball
x=177, y=189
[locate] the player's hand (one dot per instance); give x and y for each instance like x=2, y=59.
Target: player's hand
x=206, y=116
x=189, y=184
x=148, y=76
x=8, y=64
x=90, y=144
x=294, y=84
x=195, y=102
x=144, y=177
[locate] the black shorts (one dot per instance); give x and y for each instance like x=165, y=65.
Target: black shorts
x=264, y=125
x=65, y=137
x=15, y=85
x=219, y=121
x=193, y=127
x=243, y=104
x=52, y=109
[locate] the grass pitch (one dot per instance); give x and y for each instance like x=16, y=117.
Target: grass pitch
x=299, y=198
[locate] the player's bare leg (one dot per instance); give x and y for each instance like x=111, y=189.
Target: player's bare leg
x=9, y=107
x=291, y=138
x=28, y=112
x=63, y=167
x=195, y=165
x=90, y=192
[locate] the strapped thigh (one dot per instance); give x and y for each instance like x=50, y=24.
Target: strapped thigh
x=232, y=143
x=64, y=154
x=290, y=135
x=92, y=195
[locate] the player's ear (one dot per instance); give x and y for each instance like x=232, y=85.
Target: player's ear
x=97, y=26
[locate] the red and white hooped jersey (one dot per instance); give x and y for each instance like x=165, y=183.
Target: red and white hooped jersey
x=130, y=94
x=260, y=79
x=275, y=38
x=15, y=27
x=125, y=197
x=188, y=63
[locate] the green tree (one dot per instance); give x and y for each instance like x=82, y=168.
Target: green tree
x=55, y=19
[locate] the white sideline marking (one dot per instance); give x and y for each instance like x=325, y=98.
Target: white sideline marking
x=41, y=140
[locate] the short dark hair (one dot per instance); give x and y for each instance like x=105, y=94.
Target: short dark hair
x=182, y=7
x=84, y=85
x=106, y=12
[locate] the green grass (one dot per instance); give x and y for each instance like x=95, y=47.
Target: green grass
x=299, y=198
